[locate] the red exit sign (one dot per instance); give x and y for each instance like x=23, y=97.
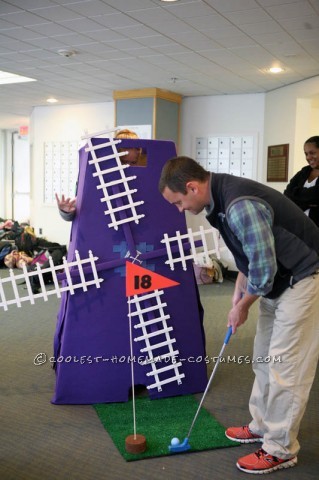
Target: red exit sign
x=24, y=130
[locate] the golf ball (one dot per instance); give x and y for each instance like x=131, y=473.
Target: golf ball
x=174, y=441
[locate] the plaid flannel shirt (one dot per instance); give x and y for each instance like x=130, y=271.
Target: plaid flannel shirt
x=251, y=222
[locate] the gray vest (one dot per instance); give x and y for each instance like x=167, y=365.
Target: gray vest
x=296, y=236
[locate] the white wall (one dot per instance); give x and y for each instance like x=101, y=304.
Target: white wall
x=289, y=114
x=49, y=124
x=2, y=175
x=315, y=118
x=6, y=139
x=221, y=115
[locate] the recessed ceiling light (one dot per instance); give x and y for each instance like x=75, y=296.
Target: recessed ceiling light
x=275, y=70
x=52, y=100
x=7, y=77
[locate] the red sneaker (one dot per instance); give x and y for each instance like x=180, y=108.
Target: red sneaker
x=242, y=435
x=263, y=462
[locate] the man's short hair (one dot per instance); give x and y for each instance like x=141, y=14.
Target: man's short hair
x=178, y=171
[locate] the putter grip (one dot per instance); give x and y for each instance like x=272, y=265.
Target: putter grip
x=228, y=335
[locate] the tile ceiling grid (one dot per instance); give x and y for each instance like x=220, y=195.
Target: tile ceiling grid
x=210, y=47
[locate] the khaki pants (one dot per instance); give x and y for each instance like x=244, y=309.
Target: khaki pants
x=287, y=348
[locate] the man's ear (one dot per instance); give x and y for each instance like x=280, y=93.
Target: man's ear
x=192, y=186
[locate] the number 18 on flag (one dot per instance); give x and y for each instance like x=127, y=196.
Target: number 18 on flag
x=140, y=280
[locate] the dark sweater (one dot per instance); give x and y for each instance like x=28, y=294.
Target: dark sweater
x=296, y=237
x=302, y=196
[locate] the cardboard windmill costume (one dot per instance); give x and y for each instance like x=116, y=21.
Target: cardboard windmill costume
x=121, y=217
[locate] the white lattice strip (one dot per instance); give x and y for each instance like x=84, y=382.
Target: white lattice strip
x=181, y=251
x=182, y=258
x=153, y=334
x=165, y=369
x=140, y=310
x=137, y=299
x=111, y=170
x=116, y=195
x=40, y=295
x=93, y=148
x=191, y=238
x=55, y=278
x=171, y=354
x=15, y=288
x=216, y=242
x=28, y=283
x=92, y=259
x=104, y=158
x=134, y=216
x=41, y=280
x=192, y=242
x=97, y=134
x=114, y=182
x=167, y=242
x=126, y=220
x=4, y=303
x=158, y=381
x=158, y=385
x=204, y=243
x=78, y=260
x=105, y=185
x=178, y=260
x=150, y=348
x=152, y=322
x=68, y=275
x=124, y=207
x=100, y=176
x=96, y=161
x=163, y=330
x=39, y=272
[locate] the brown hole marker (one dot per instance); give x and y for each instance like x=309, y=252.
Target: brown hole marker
x=135, y=444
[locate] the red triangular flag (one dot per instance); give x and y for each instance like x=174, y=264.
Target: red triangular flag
x=140, y=280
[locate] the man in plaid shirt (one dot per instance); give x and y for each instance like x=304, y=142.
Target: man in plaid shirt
x=276, y=249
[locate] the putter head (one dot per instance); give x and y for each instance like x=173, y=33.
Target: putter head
x=181, y=447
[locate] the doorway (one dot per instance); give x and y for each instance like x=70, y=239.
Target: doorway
x=20, y=178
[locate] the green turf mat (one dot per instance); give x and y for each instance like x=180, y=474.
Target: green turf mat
x=159, y=421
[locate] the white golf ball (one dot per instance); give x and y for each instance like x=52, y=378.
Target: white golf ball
x=175, y=441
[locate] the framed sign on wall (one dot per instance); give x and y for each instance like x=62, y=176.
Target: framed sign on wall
x=277, y=163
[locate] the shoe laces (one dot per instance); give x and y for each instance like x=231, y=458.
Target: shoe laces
x=248, y=432
x=261, y=453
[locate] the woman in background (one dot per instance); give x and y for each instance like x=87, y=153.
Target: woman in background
x=303, y=188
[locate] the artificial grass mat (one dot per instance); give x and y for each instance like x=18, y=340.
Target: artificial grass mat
x=159, y=421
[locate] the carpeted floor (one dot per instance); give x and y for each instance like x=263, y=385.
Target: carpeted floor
x=41, y=441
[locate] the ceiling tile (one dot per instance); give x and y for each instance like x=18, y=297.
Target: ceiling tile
x=210, y=46
x=291, y=10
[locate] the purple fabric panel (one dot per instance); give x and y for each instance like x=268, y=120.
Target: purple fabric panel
x=92, y=334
